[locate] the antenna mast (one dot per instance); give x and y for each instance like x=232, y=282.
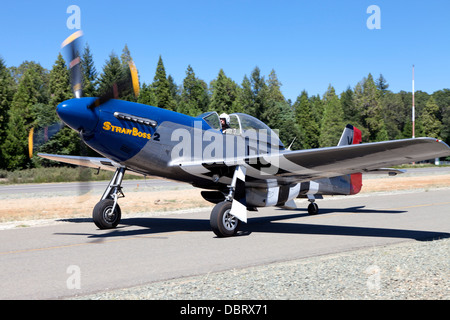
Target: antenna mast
x=413, y=108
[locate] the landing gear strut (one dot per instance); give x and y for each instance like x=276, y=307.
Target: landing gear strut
x=223, y=223
x=107, y=213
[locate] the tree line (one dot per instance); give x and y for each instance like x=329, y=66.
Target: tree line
x=29, y=95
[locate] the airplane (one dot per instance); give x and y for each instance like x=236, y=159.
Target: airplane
x=241, y=169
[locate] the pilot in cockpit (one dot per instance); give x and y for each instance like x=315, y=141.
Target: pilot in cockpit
x=225, y=123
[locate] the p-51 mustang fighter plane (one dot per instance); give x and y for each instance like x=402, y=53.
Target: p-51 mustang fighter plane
x=241, y=169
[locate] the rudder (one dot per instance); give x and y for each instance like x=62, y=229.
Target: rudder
x=352, y=135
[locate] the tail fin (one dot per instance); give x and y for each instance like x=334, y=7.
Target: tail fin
x=352, y=135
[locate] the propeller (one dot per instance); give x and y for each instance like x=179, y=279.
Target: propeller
x=128, y=84
x=72, y=43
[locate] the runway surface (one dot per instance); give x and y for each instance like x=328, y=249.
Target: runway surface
x=75, y=258
x=73, y=187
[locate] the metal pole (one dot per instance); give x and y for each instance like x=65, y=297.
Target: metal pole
x=413, y=108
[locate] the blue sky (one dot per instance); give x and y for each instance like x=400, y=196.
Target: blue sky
x=310, y=44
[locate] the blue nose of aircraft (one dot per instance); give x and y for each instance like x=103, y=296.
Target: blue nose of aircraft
x=76, y=114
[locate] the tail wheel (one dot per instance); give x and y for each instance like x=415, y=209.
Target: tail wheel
x=104, y=216
x=313, y=208
x=222, y=222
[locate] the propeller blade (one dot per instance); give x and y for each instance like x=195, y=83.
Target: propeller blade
x=134, y=78
x=73, y=45
x=30, y=143
x=39, y=137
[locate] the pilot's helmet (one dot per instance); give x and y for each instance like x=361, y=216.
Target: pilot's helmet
x=226, y=117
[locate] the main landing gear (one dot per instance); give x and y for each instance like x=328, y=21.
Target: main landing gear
x=106, y=213
x=223, y=223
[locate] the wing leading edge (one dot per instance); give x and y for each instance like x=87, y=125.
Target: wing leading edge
x=90, y=162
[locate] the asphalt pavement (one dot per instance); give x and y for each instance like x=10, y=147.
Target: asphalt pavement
x=73, y=258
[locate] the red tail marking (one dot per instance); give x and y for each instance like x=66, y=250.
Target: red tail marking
x=356, y=178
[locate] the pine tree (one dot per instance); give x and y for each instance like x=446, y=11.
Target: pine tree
x=445, y=132
x=332, y=122
x=367, y=98
x=59, y=84
x=308, y=127
x=112, y=74
x=127, y=94
x=90, y=75
x=284, y=121
x=274, y=88
x=147, y=95
x=224, y=94
x=21, y=118
x=431, y=126
x=125, y=57
x=351, y=114
x=272, y=96
x=193, y=99
x=174, y=90
x=66, y=141
x=382, y=84
x=317, y=108
x=161, y=86
x=259, y=95
x=6, y=97
x=394, y=115
x=40, y=80
x=244, y=100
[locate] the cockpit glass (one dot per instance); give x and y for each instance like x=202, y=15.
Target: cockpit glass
x=212, y=119
x=248, y=122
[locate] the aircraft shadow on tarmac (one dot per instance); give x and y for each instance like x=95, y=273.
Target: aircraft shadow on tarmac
x=267, y=224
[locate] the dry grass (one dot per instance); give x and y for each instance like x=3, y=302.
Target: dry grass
x=405, y=183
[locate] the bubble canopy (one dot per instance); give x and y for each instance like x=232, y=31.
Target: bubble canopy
x=240, y=123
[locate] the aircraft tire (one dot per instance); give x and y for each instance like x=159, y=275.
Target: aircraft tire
x=313, y=208
x=102, y=216
x=222, y=222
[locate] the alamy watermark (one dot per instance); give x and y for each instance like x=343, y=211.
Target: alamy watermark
x=374, y=20
x=374, y=279
x=258, y=147
x=74, y=20
x=74, y=280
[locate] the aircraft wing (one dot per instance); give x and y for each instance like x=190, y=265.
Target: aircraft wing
x=312, y=164
x=91, y=162
x=364, y=158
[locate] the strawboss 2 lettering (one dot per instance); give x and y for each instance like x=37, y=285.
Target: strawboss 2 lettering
x=132, y=132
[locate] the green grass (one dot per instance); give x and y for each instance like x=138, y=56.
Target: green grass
x=56, y=174
x=419, y=165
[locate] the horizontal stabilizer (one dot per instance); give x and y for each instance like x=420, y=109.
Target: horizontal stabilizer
x=389, y=171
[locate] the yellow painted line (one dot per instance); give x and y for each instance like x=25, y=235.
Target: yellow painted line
x=420, y=205
x=42, y=249
x=95, y=242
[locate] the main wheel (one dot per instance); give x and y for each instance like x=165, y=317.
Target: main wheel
x=313, y=208
x=104, y=217
x=222, y=222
